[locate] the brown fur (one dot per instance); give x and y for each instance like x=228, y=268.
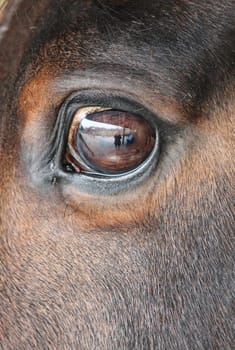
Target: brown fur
x=149, y=267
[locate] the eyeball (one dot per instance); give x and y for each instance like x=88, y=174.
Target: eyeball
x=108, y=141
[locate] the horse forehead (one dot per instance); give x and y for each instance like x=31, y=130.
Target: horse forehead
x=175, y=43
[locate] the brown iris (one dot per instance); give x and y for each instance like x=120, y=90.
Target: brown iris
x=108, y=141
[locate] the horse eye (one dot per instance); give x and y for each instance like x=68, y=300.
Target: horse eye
x=108, y=141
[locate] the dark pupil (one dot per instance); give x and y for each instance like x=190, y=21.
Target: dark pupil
x=114, y=141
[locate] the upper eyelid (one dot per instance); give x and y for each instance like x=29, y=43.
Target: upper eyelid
x=48, y=89
x=166, y=107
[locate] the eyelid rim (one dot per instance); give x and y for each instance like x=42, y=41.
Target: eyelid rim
x=98, y=182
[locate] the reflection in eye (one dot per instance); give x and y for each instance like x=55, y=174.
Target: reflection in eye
x=108, y=141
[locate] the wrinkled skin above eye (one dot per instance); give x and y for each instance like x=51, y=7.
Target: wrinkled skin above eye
x=110, y=141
